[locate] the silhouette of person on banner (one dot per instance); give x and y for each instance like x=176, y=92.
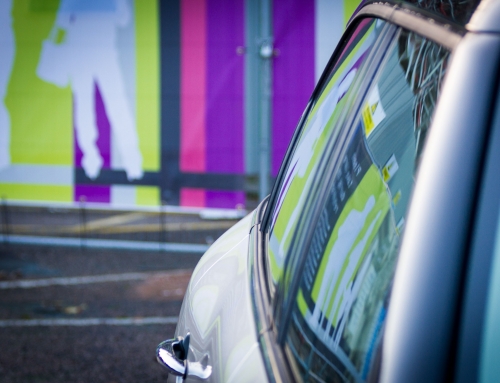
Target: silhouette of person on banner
x=81, y=50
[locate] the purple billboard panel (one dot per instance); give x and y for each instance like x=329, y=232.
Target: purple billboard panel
x=225, y=84
x=293, y=70
x=225, y=96
x=103, y=141
x=225, y=199
x=94, y=193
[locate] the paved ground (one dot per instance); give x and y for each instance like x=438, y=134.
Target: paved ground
x=89, y=315
x=88, y=223
x=84, y=314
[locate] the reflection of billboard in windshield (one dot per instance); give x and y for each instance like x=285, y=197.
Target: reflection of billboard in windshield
x=321, y=124
x=344, y=286
x=345, y=250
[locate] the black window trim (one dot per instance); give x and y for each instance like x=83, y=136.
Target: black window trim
x=426, y=24
x=277, y=367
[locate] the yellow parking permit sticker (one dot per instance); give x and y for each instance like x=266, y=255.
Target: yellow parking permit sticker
x=367, y=120
x=390, y=168
x=396, y=198
x=373, y=113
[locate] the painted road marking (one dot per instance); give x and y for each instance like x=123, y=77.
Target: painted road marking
x=70, y=281
x=105, y=244
x=89, y=226
x=88, y=322
x=110, y=228
x=169, y=227
x=103, y=222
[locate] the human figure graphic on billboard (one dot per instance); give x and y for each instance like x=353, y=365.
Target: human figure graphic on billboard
x=80, y=51
x=7, y=46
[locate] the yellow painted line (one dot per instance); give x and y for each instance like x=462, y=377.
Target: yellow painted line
x=23, y=229
x=105, y=222
x=169, y=227
x=75, y=229
x=141, y=228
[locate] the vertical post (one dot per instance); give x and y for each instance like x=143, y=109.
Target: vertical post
x=266, y=53
x=252, y=101
x=83, y=223
x=163, y=226
x=5, y=222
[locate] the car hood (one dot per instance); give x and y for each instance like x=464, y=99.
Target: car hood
x=217, y=310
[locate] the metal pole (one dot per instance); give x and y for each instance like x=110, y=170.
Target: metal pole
x=83, y=222
x=163, y=226
x=5, y=223
x=266, y=53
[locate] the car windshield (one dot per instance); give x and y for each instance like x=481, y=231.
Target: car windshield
x=320, y=125
x=343, y=226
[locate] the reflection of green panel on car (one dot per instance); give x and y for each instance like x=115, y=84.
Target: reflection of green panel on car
x=319, y=128
x=295, y=197
x=370, y=197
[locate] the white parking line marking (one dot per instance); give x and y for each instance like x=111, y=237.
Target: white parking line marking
x=104, y=243
x=67, y=281
x=88, y=322
x=64, y=281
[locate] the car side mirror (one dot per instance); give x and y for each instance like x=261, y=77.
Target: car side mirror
x=172, y=354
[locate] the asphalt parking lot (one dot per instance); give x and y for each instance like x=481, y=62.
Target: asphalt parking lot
x=85, y=314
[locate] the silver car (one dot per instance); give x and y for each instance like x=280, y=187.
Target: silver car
x=377, y=255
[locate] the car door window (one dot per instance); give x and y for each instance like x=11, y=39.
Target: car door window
x=340, y=284
x=319, y=126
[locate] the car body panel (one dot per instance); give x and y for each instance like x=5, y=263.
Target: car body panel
x=481, y=266
x=485, y=19
x=438, y=226
x=218, y=297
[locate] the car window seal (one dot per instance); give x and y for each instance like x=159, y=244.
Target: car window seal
x=426, y=24
x=277, y=367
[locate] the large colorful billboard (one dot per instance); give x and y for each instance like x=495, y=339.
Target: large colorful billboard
x=142, y=102
x=80, y=90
